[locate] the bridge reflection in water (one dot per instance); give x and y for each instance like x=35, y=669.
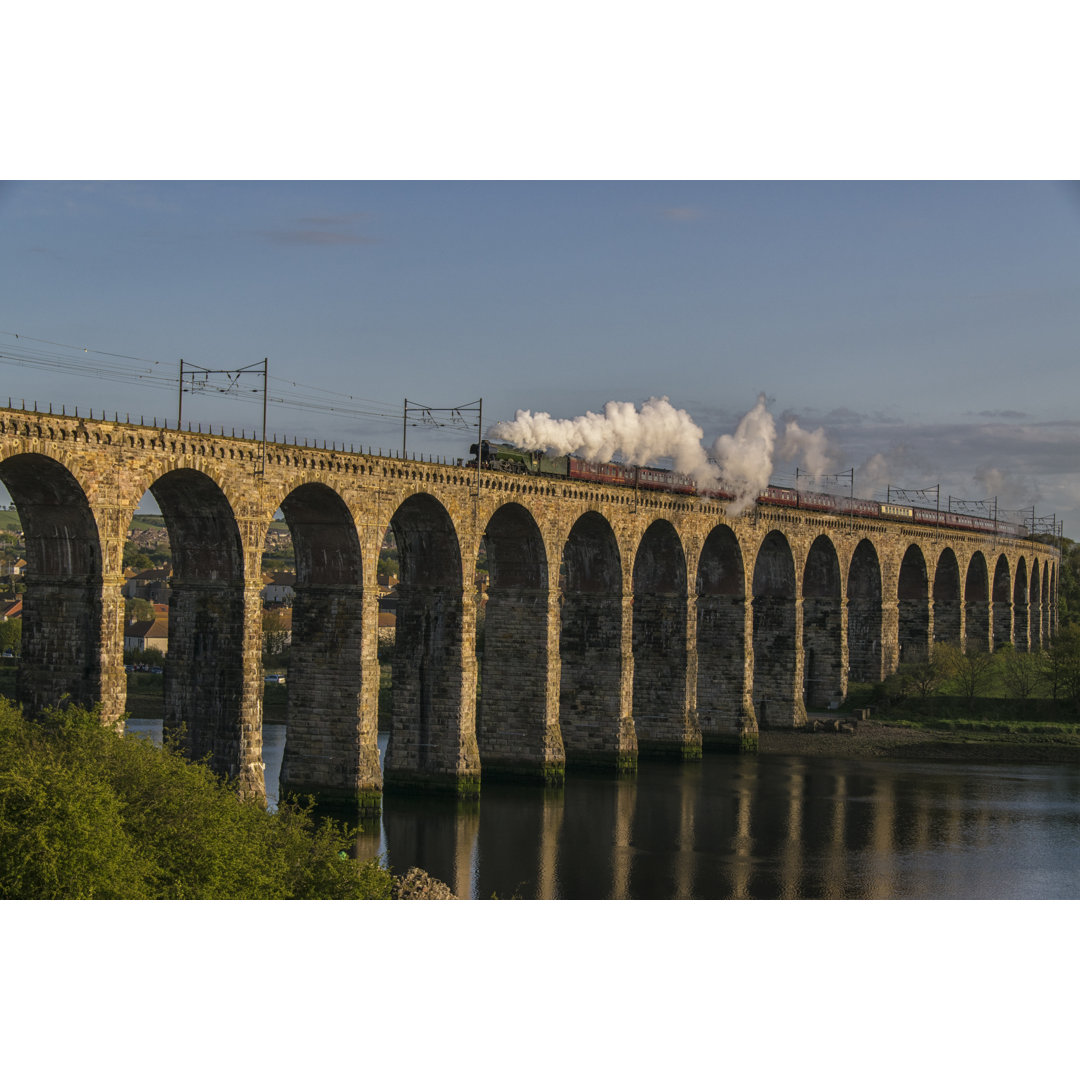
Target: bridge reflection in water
x=753, y=827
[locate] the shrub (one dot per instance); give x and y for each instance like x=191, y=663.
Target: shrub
x=971, y=671
x=11, y=635
x=1021, y=672
x=85, y=813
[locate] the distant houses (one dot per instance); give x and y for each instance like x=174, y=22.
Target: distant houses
x=279, y=587
x=152, y=585
x=143, y=634
x=387, y=629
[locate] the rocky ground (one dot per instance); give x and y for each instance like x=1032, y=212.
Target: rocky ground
x=417, y=884
x=869, y=739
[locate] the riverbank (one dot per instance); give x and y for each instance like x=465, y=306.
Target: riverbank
x=880, y=739
x=875, y=738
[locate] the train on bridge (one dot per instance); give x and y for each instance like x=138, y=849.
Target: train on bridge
x=508, y=458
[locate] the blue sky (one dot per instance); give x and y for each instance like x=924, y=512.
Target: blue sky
x=934, y=323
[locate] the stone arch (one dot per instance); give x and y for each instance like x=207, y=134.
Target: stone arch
x=517, y=727
x=432, y=733
x=977, y=604
x=1053, y=619
x=1035, y=607
x=661, y=703
x=864, y=614
x=1001, y=599
x=331, y=747
x=777, y=690
x=913, y=601
x=948, y=612
x=725, y=713
x=69, y=641
x=1045, y=604
x=823, y=665
x=594, y=708
x=1021, y=637
x=213, y=702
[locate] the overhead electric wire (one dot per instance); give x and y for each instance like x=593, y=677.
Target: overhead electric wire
x=311, y=399
x=319, y=389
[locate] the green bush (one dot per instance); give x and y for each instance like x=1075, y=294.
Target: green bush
x=88, y=814
x=11, y=635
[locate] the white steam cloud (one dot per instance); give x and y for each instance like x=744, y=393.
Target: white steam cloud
x=658, y=431
x=872, y=475
x=746, y=457
x=741, y=462
x=810, y=447
x=1010, y=491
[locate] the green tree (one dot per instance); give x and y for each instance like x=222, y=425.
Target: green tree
x=150, y=657
x=1021, y=672
x=10, y=635
x=86, y=813
x=1069, y=584
x=1061, y=664
x=135, y=607
x=971, y=671
x=136, y=559
x=924, y=677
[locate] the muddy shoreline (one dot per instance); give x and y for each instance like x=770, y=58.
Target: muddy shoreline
x=874, y=739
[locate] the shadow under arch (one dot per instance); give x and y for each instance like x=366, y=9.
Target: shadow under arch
x=1021, y=638
x=432, y=743
x=1035, y=607
x=913, y=604
x=977, y=605
x=67, y=650
x=725, y=711
x=213, y=693
x=865, y=657
x=517, y=724
x=1001, y=598
x=948, y=610
x=1045, y=606
x=594, y=705
x=331, y=745
x=824, y=682
x=663, y=720
x=777, y=689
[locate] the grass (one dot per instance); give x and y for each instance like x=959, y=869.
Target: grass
x=991, y=724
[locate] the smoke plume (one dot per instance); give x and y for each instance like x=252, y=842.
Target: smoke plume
x=810, y=447
x=872, y=475
x=658, y=431
x=1010, y=491
x=746, y=457
x=740, y=463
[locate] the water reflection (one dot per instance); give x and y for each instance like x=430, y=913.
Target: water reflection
x=753, y=827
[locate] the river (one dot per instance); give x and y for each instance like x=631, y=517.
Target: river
x=751, y=826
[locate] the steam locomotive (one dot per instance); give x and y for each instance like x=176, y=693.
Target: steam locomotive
x=506, y=458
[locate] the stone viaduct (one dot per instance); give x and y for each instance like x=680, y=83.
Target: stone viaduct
x=615, y=624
